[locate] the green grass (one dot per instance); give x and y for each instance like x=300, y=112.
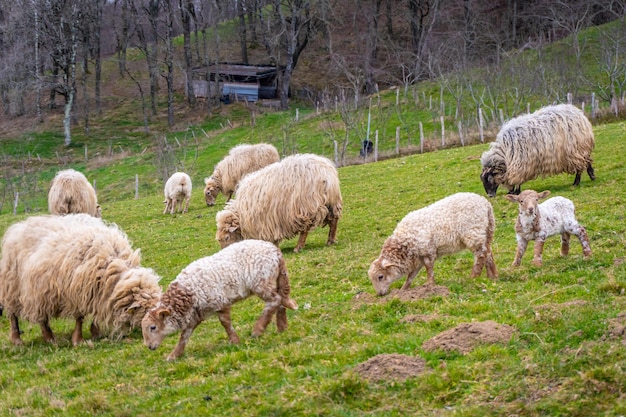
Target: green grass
x=561, y=360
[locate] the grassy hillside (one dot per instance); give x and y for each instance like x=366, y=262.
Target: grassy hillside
x=566, y=357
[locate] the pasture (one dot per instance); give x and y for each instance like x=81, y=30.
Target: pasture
x=567, y=354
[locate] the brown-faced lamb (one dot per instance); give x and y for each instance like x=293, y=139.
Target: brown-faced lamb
x=553, y=140
x=460, y=221
x=241, y=160
x=177, y=193
x=73, y=266
x=211, y=285
x=540, y=221
x=70, y=192
x=282, y=200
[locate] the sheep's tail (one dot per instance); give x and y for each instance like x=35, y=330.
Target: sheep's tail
x=283, y=286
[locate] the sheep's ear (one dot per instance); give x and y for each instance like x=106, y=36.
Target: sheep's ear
x=163, y=312
x=543, y=194
x=386, y=264
x=232, y=229
x=512, y=197
x=133, y=307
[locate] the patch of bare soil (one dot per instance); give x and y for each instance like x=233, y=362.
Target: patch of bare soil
x=391, y=367
x=420, y=318
x=412, y=294
x=466, y=336
x=617, y=328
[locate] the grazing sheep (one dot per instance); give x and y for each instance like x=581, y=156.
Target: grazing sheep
x=292, y=196
x=212, y=284
x=73, y=266
x=540, y=221
x=70, y=192
x=177, y=191
x=460, y=221
x=241, y=160
x=553, y=140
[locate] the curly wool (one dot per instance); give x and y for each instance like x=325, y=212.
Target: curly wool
x=240, y=161
x=460, y=221
x=553, y=140
x=74, y=266
x=283, y=199
x=70, y=192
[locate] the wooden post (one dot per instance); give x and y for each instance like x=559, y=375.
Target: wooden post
x=397, y=140
x=460, y=125
x=443, y=132
x=593, y=105
x=336, y=153
x=376, y=147
x=136, y=186
x=480, y=125
x=86, y=153
x=528, y=108
x=501, y=116
x=297, y=114
x=421, y=138
x=15, y=202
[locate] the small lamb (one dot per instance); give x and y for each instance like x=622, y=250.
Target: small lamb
x=177, y=192
x=458, y=222
x=539, y=222
x=212, y=284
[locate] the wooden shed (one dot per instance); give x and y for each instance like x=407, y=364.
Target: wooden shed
x=235, y=82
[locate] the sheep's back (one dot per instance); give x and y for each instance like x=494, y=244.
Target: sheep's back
x=56, y=267
x=289, y=197
x=230, y=274
x=244, y=159
x=70, y=192
x=448, y=225
x=553, y=140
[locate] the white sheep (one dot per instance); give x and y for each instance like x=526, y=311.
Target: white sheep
x=540, y=221
x=241, y=160
x=282, y=200
x=73, y=266
x=70, y=192
x=460, y=221
x=212, y=284
x=177, y=192
x=553, y=140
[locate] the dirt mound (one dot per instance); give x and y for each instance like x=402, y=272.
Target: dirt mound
x=412, y=294
x=464, y=337
x=391, y=367
x=617, y=328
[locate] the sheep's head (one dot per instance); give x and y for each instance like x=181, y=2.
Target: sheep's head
x=211, y=190
x=155, y=326
x=383, y=272
x=228, y=228
x=528, y=201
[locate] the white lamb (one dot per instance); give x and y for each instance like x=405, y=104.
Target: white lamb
x=212, y=284
x=540, y=221
x=460, y=221
x=177, y=192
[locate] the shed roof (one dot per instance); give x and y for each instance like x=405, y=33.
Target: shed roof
x=239, y=70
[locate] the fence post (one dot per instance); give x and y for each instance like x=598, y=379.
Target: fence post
x=421, y=138
x=443, y=132
x=460, y=125
x=17, y=199
x=397, y=140
x=376, y=147
x=136, y=186
x=480, y=125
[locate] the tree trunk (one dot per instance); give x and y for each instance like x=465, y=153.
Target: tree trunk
x=70, y=83
x=186, y=12
x=243, y=41
x=169, y=62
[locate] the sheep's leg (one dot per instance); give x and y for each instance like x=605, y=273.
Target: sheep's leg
x=411, y=277
x=332, y=231
x=272, y=303
x=281, y=319
x=167, y=205
x=301, y=241
x=590, y=172
x=230, y=195
x=77, y=334
x=46, y=331
x=492, y=270
x=186, y=205
x=565, y=243
x=224, y=316
x=429, y=263
x=95, y=330
x=480, y=257
x=182, y=342
x=577, y=178
x=537, y=258
x=581, y=233
x=520, y=251
x=14, y=335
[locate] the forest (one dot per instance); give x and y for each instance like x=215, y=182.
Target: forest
x=52, y=53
